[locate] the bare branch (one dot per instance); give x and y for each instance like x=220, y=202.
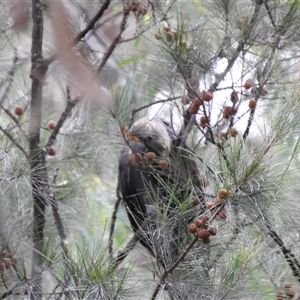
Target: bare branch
x=37, y=158
x=62, y=119
x=115, y=42
x=130, y=245
x=83, y=33
x=134, y=111
x=92, y=23
x=113, y=223
x=172, y=267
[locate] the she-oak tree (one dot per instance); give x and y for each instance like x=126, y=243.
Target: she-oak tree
x=222, y=76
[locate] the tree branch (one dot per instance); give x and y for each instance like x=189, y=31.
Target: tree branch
x=92, y=23
x=287, y=253
x=13, y=118
x=83, y=33
x=13, y=140
x=123, y=254
x=115, y=42
x=173, y=266
x=113, y=222
x=62, y=119
x=37, y=158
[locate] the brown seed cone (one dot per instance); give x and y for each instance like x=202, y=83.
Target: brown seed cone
x=223, y=135
x=279, y=296
x=51, y=125
x=290, y=293
x=136, y=158
x=233, y=132
x=203, y=121
x=204, y=219
x=19, y=110
x=198, y=223
x=252, y=103
x=163, y=164
x=195, y=105
x=175, y=35
x=222, y=214
x=212, y=230
x=228, y=111
x=223, y=194
x=218, y=199
x=169, y=36
x=149, y=157
x=248, y=84
x=287, y=285
x=142, y=9
x=207, y=96
x=195, y=201
x=203, y=234
x=192, y=228
x=210, y=205
x=52, y=151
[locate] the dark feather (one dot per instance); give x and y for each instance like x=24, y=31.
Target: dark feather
x=144, y=187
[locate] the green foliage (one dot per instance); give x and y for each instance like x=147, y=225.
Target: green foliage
x=173, y=49
x=92, y=272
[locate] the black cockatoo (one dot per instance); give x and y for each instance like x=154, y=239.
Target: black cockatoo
x=151, y=172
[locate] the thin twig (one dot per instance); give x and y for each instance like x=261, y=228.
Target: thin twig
x=62, y=119
x=269, y=14
x=134, y=111
x=130, y=245
x=249, y=123
x=291, y=159
x=267, y=69
x=6, y=294
x=115, y=42
x=161, y=283
x=287, y=253
x=234, y=282
x=113, y=222
x=83, y=33
x=13, y=118
x=172, y=267
x=13, y=140
x=62, y=234
x=245, y=38
x=92, y=23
